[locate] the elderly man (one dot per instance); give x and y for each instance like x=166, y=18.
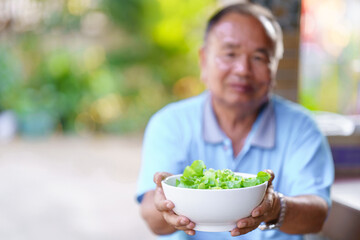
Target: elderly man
x=238, y=124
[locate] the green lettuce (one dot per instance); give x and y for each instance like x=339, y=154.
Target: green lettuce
x=197, y=176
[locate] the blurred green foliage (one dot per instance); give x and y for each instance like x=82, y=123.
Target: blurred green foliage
x=104, y=67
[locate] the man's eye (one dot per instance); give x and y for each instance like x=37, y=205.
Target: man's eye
x=230, y=55
x=260, y=58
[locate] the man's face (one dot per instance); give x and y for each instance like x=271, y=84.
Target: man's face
x=235, y=62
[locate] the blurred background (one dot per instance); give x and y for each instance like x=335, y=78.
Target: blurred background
x=79, y=79
x=97, y=66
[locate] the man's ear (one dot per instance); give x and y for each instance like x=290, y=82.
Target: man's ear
x=202, y=59
x=274, y=67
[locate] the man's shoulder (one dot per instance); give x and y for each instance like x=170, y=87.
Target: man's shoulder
x=292, y=113
x=285, y=106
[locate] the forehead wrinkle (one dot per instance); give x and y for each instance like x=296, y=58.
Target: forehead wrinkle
x=221, y=32
x=230, y=44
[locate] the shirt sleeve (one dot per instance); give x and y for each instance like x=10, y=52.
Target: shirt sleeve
x=309, y=166
x=163, y=150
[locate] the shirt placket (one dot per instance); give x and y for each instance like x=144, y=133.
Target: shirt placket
x=229, y=152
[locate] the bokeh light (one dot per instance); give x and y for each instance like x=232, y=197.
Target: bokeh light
x=330, y=50
x=77, y=66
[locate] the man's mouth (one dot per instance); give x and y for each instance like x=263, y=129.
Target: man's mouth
x=241, y=88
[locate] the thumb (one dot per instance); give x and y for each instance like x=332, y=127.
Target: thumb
x=271, y=174
x=159, y=176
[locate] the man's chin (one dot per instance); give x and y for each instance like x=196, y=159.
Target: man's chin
x=245, y=103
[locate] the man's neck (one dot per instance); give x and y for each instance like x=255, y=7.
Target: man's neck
x=236, y=122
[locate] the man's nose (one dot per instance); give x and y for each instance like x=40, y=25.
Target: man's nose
x=242, y=65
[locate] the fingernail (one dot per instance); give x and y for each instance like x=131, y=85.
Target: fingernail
x=191, y=225
x=256, y=213
x=183, y=221
x=242, y=225
x=168, y=205
x=235, y=232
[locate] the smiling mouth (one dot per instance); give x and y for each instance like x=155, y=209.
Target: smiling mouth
x=241, y=88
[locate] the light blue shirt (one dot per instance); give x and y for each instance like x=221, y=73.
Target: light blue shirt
x=284, y=138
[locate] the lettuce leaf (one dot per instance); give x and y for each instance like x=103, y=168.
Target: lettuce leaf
x=196, y=176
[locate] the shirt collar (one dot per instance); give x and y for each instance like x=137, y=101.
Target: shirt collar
x=212, y=132
x=264, y=135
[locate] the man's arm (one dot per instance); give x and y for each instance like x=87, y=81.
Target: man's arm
x=162, y=151
x=158, y=212
x=304, y=214
x=153, y=217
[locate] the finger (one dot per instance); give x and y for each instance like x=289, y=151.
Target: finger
x=160, y=201
x=237, y=231
x=190, y=232
x=250, y=222
x=266, y=205
x=159, y=176
x=189, y=227
x=263, y=209
x=180, y=222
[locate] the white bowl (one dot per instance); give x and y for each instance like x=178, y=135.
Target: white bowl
x=214, y=210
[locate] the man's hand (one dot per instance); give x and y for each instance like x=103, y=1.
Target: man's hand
x=166, y=207
x=267, y=211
